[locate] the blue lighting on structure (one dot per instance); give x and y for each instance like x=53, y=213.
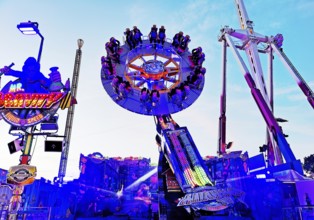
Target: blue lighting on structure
x=31, y=28
x=28, y=28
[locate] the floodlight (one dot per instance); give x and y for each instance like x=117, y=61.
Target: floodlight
x=28, y=28
x=31, y=28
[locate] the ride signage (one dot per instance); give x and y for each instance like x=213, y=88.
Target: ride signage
x=32, y=98
x=11, y=106
x=29, y=100
x=222, y=197
x=22, y=174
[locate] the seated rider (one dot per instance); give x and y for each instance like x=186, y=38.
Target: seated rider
x=115, y=44
x=153, y=34
x=177, y=39
x=137, y=35
x=112, y=52
x=129, y=38
x=162, y=35
x=184, y=43
x=198, y=56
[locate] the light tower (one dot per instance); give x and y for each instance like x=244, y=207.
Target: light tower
x=70, y=114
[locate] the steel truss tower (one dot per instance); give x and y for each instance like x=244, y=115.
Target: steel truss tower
x=70, y=114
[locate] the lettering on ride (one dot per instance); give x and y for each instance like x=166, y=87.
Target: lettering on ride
x=29, y=100
x=222, y=195
x=34, y=119
x=16, y=88
x=12, y=117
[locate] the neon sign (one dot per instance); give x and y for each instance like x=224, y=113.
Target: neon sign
x=26, y=109
x=29, y=100
x=32, y=98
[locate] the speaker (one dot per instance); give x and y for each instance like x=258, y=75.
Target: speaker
x=53, y=146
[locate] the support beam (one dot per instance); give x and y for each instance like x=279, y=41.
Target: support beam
x=222, y=118
x=269, y=118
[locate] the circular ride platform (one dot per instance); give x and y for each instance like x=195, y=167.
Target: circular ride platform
x=152, y=79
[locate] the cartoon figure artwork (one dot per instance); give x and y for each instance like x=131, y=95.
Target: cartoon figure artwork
x=32, y=97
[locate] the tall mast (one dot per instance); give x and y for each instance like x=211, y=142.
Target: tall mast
x=70, y=114
x=222, y=118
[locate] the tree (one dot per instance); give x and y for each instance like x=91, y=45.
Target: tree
x=309, y=163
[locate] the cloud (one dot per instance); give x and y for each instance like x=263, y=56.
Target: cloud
x=275, y=24
x=305, y=7
x=290, y=89
x=292, y=92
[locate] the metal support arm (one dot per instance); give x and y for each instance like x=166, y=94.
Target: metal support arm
x=222, y=118
x=295, y=74
x=263, y=106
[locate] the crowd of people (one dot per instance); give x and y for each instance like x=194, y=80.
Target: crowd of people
x=150, y=98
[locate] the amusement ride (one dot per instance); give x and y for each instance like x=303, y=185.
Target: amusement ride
x=157, y=77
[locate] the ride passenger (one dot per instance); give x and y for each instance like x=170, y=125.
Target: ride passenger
x=185, y=88
x=177, y=39
x=115, y=83
x=112, y=52
x=137, y=36
x=162, y=35
x=153, y=35
x=107, y=66
x=201, y=59
x=198, y=56
x=184, y=43
x=199, y=69
x=144, y=95
x=199, y=80
x=129, y=38
x=155, y=97
x=145, y=98
x=178, y=98
x=123, y=90
x=115, y=44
